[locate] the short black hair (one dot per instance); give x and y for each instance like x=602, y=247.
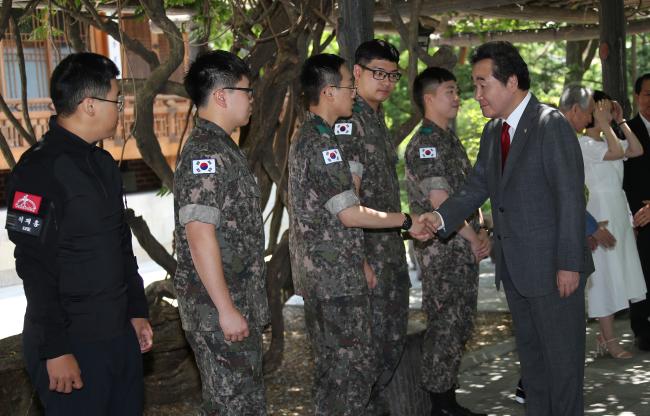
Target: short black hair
x=317, y=72
x=429, y=79
x=600, y=96
x=639, y=83
x=506, y=61
x=212, y=70
x=80, y=75
x=376, y=49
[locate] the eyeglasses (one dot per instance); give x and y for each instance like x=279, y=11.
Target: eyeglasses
x=249, y=91
x=381, y=75
x=353, y=89
x=119, y=102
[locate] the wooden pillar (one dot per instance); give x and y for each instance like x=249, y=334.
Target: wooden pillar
x=612, y=51
x=355, y=26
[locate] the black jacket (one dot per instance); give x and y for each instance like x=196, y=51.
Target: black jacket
x=637, y=170
x=73, y=249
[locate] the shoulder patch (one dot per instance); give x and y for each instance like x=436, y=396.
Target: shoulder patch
x=26, y=202
x=428, y=153
x=343, y=129
x=201, y=166
x=331, y=156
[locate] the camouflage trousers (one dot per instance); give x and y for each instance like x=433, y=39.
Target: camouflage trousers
x=389, y=302
x=339, y=331
x=231, y=373
x=449, y=301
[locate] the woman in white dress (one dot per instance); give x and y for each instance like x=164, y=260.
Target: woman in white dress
x=618, y=278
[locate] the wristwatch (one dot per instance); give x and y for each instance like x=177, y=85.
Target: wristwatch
x=408, y=222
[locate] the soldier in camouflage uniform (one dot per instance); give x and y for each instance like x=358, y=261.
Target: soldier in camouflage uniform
x=437, y=165
x=220, y=279
x=365, y=139
x=326, y=244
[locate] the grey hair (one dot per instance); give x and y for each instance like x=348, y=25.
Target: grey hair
x=575, y=94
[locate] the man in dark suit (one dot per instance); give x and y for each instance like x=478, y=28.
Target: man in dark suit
x=530, y=166
x=635, y=184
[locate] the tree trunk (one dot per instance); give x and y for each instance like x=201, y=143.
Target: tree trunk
x=579, y=55
x=404, y=394
x=612, y=51
x=355, y=26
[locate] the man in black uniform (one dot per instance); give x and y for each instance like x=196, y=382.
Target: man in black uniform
x=86, y=321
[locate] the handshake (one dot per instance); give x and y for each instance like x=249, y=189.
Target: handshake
x=425, y=225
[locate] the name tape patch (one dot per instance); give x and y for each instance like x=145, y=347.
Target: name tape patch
x=24, y=223
x=200, y=166
x=26, y=202
x=427, y=152
x=343, y=128
x=331, y=156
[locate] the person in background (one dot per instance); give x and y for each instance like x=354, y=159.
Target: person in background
x=637, y=190
x=618, y=278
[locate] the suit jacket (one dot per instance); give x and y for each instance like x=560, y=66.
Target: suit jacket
x=637, y=170
x=538, y=201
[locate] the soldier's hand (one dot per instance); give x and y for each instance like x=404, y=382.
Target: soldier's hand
x=371, y=277
x=431, y=220
x=419, y=231
x=233, y=325
x=482, y=248
x=64, y=373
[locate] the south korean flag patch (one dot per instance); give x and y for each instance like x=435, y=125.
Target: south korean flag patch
x=343, y=129
x=331, y=156
x=428, y=153
x=200, y=166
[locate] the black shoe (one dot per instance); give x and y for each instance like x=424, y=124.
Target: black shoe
x=642, y=343
x=457, y=408
x=441, y=405
x=520, y=394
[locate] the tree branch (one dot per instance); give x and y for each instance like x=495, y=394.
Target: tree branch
x=111, y=28
x=14, y=121
x=23, y=79
x=146, y=139
x=6, y=151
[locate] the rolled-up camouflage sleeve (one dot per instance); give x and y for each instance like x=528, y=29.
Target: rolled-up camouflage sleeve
x=433, y=183
x=356, y=168
x=338, y=203
x=201, y=195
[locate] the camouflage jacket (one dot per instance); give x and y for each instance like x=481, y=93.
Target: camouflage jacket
x=326, y=256
x=436, y=159
x=365, y=139
x=213, y=184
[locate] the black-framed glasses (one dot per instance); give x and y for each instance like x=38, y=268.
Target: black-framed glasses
x=380, y=74
x=249, y=91
x=353, y=89
x=119, y=102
